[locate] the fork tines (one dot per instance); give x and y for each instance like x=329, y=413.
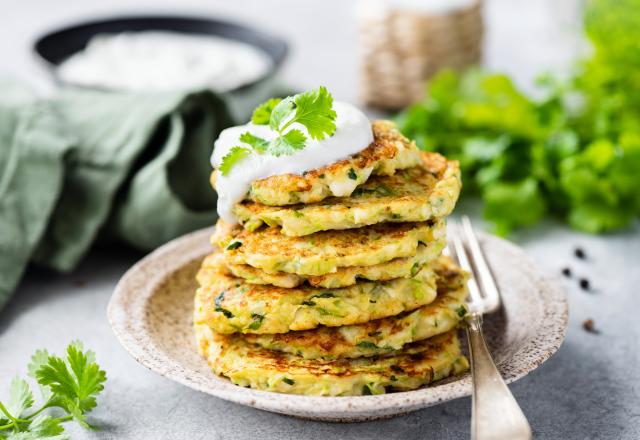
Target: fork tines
x=483, y=292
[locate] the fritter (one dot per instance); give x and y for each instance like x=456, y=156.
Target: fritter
x=250, y=366
x=382, y=337
x=412, y=195
x=342, y=277
x=324, y=252
x=229, y=304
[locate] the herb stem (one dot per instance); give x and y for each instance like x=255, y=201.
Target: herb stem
x=14, y=421
x=35, y=413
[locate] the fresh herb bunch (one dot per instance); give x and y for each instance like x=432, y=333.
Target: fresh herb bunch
x=313, y=110
x=70, y=386
x=575, y=153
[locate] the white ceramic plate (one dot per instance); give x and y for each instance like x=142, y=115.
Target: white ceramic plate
x=151, y=314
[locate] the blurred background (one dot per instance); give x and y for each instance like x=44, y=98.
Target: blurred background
x=521, y=38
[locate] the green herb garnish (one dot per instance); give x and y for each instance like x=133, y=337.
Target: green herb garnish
x=313, y=110
x=288, y=381
x=69, y=384
x=234, y=245
x=257, y=321
x=352, y=174
x=461, y=311
x=415, y=269
x=573, y=152
x=219, y=308
x=367, y=344
x=324, y=295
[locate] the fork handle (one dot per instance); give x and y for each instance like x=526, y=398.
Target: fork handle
x=495, y=414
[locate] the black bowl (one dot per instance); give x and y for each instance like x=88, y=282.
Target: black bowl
x=56, y=46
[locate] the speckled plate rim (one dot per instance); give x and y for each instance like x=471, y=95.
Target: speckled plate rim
x=127, y=315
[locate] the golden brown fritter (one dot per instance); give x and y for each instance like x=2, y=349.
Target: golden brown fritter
x=247, y=365
x=412, y=195
x=324, y=252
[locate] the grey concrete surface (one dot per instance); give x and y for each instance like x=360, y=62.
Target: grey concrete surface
x=589, y=390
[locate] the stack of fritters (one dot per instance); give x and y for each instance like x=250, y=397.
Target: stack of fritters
x=333, y=283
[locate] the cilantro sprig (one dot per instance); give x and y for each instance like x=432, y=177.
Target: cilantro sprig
x=313, y=110
x=70, y=385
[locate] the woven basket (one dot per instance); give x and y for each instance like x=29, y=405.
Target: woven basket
x=401, y=49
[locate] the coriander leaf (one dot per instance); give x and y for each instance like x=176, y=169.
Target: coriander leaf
x=597, y=218
x=78, y=415
x=258, y=144
x=89, y=377
x=314, y=110
x=262, y=113
x=56, y=375
x=235, y=155
x=281, y=112
x=74, y=383
x=20, y=397
x=510, y=205
x=39, y=358
x=288, y=143
x=42, y=427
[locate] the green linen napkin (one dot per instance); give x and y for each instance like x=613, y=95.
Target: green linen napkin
x=84, y=164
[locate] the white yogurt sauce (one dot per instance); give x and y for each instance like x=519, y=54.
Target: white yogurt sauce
x=353, y=134
x=150, y=61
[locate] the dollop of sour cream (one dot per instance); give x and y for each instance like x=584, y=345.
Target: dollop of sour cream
x=353, y=134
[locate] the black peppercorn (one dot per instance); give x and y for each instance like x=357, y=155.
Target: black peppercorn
x=584, y=284
x=579, y=253
x=566, y=272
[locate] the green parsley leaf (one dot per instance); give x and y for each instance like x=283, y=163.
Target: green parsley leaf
x=20, y=397
x=288, y=381
x=76, y=382
x=38, y=359
x=258, y=144
x=281, y=113
x=70, y=384
x=235, y=155
x=262, y=113
x=294, y=140
x=314, y=110
x=352, y=174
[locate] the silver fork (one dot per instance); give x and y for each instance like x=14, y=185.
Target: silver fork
x=495, y=414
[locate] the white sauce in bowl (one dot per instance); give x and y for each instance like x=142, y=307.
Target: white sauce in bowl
x=151, y=61
x=353, y=134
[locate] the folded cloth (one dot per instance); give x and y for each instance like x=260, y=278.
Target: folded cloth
x=84, y=164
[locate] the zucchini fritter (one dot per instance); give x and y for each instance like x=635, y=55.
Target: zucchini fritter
x=324, y=252
x=230, y=304
x=389, y=151
x=247, y=365
x=342, y=277
x=384, y=336
x=412, y=195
